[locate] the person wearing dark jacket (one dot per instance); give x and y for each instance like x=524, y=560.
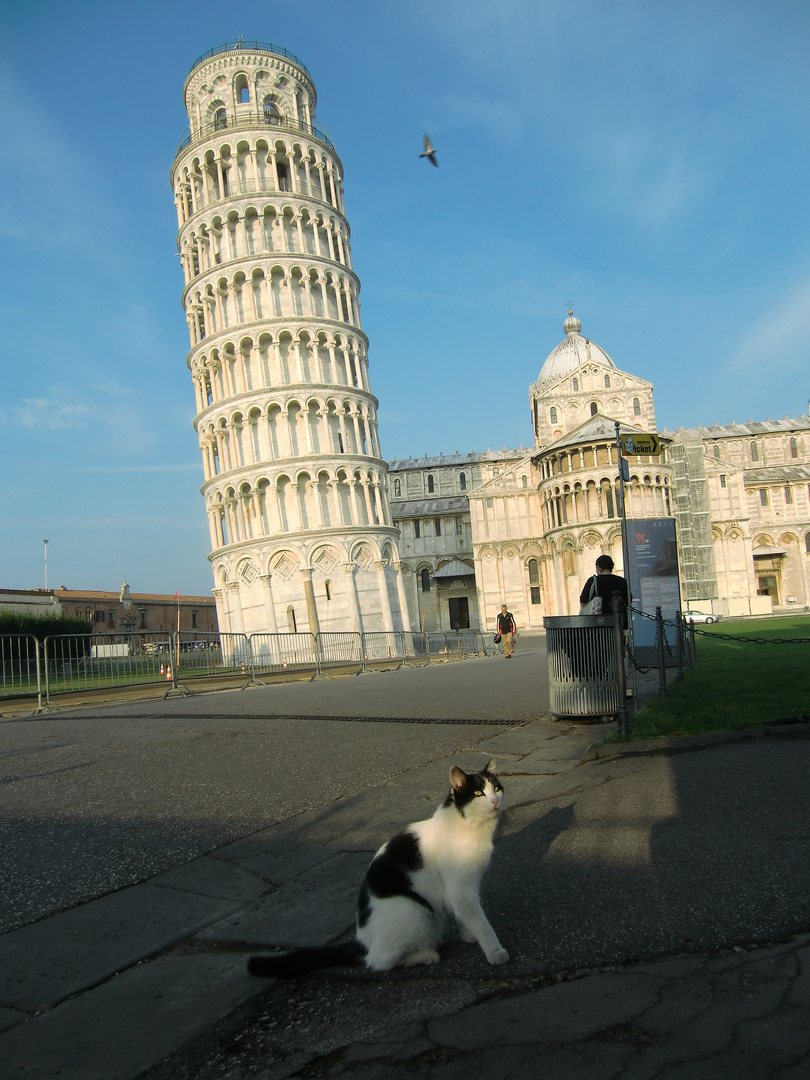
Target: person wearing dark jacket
x=506, y=627
x=607, y=583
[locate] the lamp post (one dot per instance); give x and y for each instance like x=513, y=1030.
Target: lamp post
x=45, y=542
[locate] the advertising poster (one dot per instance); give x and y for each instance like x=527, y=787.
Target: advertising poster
x=652, y=552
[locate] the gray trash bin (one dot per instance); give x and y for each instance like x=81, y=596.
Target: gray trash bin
x=581, y=665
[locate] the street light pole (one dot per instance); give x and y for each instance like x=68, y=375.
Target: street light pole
x=45, y=542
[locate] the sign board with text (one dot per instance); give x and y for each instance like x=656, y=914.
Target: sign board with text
x=636, y=443
x=652, y=551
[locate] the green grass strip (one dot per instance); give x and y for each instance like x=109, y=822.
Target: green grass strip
x=735, y=684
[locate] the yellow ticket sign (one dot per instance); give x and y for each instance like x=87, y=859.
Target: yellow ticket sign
x=640, y=442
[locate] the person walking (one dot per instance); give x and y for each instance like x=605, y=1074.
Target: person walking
x=507, y=628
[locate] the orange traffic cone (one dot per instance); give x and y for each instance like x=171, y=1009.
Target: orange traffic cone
x=284, y=662
x=161, y=667
x=168, y=673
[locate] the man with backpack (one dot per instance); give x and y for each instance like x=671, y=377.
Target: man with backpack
x=507, y=630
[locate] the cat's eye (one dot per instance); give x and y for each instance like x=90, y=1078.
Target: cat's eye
x=478, y=793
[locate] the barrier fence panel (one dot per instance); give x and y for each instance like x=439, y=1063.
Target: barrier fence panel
x=336, y=647
x=282, y=652
x=199, y=655
x=415, y=644
x=437, y=643
x=93, y=661
x=20, y=664
x=383, y=645
x=235, y=652
x=465, y=641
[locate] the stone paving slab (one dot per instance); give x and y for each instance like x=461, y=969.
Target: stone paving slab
x=46, y=962
x=314, y=908
x=9, y=1018
x=116, y=1030
x=212, y=877
x=267, y=856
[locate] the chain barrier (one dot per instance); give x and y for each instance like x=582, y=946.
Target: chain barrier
x=645, y=669
x=726, y=637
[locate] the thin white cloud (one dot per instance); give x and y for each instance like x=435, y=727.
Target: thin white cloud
x=775, y=336
x=101, y=407
x=61, y=470
x=51, y=414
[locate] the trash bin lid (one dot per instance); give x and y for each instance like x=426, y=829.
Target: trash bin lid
x=564, y=622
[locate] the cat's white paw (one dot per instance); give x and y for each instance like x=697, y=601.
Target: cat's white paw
x=498, y=956
x=423, y=956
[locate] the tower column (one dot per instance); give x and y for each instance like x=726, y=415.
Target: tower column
x=309, y=596
x=355, y=621
x=403, y=600
x=235, y=607
x=385, y=603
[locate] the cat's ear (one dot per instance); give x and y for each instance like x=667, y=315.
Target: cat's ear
x=458, y=778
x=491, y=767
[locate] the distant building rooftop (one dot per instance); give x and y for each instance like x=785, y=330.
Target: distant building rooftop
x=446, y=460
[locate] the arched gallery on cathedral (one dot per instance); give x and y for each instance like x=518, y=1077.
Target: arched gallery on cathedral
x=311, y=530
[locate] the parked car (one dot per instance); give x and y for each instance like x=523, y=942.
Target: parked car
x=700, y=616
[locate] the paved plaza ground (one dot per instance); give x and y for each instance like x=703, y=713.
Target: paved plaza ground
x=653, y=897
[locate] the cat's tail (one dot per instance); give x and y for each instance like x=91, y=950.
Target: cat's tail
x=289, y=965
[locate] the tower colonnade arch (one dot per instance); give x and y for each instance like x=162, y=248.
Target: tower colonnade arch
x=223, y=164
x=251, y=294
x=259, y=228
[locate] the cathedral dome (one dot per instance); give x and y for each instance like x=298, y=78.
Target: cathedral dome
x=573, y=353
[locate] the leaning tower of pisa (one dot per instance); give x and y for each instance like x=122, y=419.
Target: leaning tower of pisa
x=294, y=482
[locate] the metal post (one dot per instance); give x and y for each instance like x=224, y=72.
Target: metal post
x=659, y=637
x=176, y=687
x=622, y=715
x=692, y=653
x=679, y=643
x=625, y=552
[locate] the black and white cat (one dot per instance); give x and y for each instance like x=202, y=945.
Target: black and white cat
x=429, y=871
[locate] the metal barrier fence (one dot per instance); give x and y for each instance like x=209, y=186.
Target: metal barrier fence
x=61, y=664
x=282, y=652
x=383, y=645
x=197, y=655
x=339, y=647
x=97, y=661
x=19, y=661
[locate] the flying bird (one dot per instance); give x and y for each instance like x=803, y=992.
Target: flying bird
x=430, y=153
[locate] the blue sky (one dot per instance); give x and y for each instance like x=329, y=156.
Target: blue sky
x=648, y=162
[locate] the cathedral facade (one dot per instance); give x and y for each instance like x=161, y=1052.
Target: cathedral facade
x=537, y=519
x=295, y=486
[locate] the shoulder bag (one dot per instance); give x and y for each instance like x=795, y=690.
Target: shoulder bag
x=594, y=604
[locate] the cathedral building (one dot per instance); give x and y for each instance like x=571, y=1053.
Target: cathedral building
x=537, y=519
x=295, y=486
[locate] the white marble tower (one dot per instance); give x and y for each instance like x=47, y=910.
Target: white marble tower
x=295, y=486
